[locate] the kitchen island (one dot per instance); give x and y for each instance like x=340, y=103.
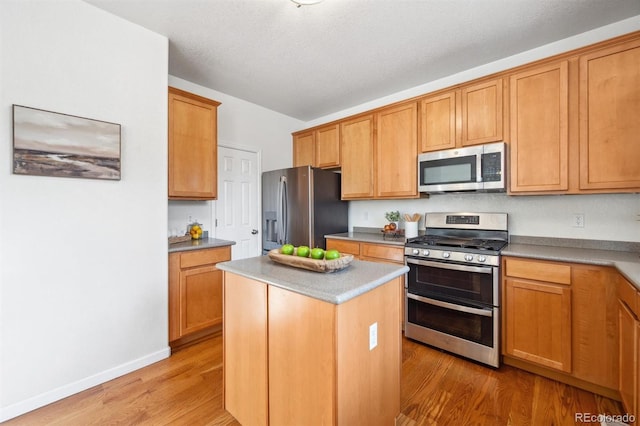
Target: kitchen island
x=304, y=347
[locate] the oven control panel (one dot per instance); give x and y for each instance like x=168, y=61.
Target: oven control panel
x=452, y=256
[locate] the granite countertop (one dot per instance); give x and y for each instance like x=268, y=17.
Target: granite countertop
x=628, y=263
x=204, y=243
x=333, y=287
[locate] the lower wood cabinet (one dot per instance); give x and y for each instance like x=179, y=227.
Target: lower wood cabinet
x=560, y=321
x=375, y=252
x=290, y=359
x=195, y=294
x=629, y=346
x=538, y=322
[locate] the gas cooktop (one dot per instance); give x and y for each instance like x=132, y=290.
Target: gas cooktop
x=474, y=238
x=456, y=242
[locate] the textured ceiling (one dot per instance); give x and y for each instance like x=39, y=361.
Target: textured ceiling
x=311, y=61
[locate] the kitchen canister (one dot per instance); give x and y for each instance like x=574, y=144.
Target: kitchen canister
x=410, y=229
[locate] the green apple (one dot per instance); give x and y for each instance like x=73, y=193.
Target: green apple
x=287, y=249
x=303, y=251
x=331, y=254
x=317, y=253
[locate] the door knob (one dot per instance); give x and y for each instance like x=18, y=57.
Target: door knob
x=254, y=231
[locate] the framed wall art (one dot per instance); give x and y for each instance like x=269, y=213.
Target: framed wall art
x=48, y=143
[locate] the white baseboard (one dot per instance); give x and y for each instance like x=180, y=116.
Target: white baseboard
x=22, y=407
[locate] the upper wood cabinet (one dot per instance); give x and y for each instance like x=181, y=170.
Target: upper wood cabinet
x=396, y=152
x=327, y=146
x=539, y=142
x=482, y=112
x=304, y=149
x=356, y=146
x=609, y=117
x=317, y=148
x=471, y=115
x=438, y=128
x=571, y=124
x=193, y=146
x=379, y=154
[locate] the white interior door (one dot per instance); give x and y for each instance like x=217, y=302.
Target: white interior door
x=238, y=207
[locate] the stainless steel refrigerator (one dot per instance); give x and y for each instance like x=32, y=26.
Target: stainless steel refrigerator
x=300, y=206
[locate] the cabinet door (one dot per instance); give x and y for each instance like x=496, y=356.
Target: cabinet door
x=327, y=146
x=628, y=347
x=200, y=298
x=356, y=147
x=438, y=122
x=609, y=124
x=595, y=325
x=539, y=129
x=193, y=146
x=382, y=252
x=302, y=359
x=482, y=110
x=246, y=378
x=348, y=247
x=538, y=323
x=396, y=152
x=174, y=296
x=303, y=149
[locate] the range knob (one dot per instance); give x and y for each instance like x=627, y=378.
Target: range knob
x=468, y=257
x=446, y=254
x=482, y=258
x=426, y=252
x=416, y=251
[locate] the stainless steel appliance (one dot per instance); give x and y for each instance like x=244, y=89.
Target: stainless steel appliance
x=300, y=206
x=452, y=287
x=478, y=168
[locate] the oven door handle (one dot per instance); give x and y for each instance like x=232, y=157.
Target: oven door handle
x=452, y=306
x=453, y=266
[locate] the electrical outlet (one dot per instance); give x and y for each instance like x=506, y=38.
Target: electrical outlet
x=577, y=220
x=373, y=336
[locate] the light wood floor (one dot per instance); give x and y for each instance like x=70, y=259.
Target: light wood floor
x=437, y=389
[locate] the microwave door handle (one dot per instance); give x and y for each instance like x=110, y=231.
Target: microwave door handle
x=451, y=266
x=451, y=306
x=479, y=167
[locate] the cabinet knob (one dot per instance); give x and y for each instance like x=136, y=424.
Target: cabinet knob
x=254, y=231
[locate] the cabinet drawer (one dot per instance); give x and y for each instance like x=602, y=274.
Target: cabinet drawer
x=384, y=252
x=348, y=247
x=538, y=270
x=193, y=258
x=628, y=294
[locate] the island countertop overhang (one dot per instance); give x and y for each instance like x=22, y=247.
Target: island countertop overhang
x=334, y=287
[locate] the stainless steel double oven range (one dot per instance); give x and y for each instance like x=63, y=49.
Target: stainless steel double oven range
x=453, y=284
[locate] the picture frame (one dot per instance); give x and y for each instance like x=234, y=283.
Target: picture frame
x=47, y=143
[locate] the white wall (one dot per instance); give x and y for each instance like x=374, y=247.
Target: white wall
x=611, y=217
x=83, y=263
x=240, y=124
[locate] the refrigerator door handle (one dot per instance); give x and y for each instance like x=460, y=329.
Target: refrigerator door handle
x=281, y=211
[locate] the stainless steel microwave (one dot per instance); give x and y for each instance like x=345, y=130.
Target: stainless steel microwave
x=474, y=168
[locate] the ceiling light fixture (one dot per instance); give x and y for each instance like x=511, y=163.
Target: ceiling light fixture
x=300, y=3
